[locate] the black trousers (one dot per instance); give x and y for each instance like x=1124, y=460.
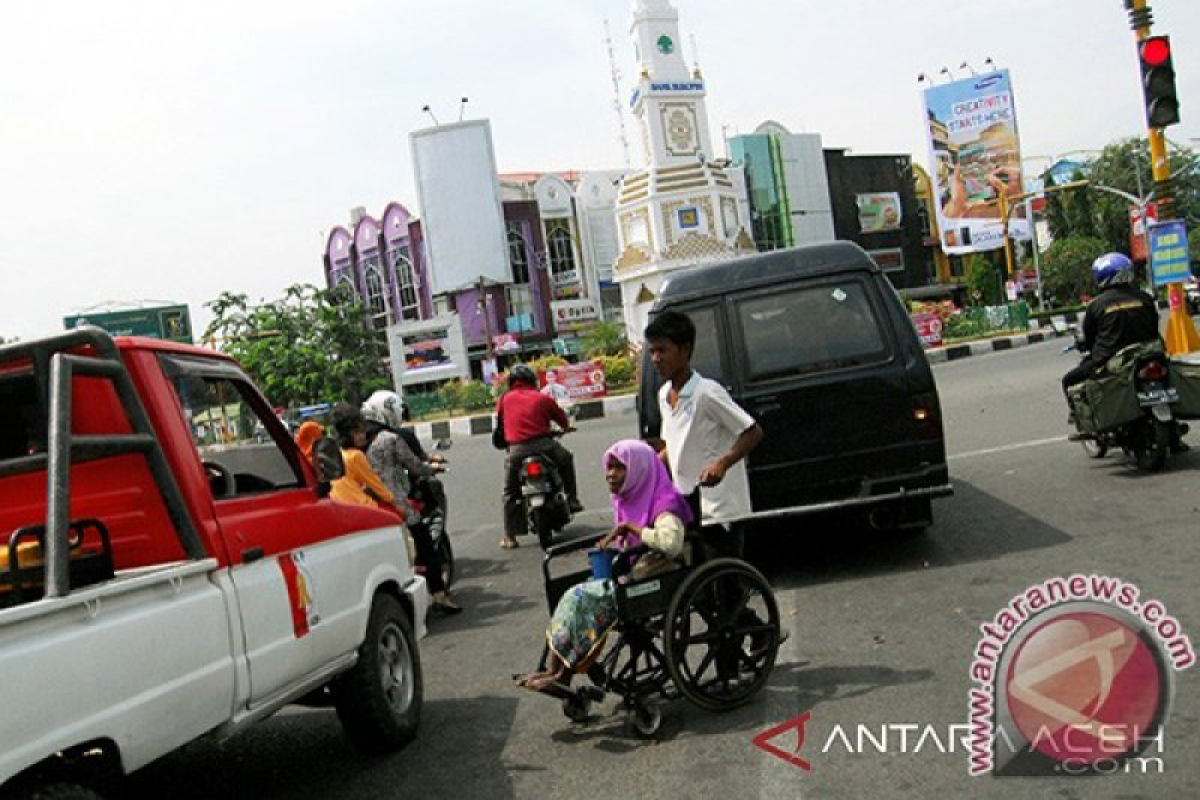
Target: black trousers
x=427, y=557
x=514, y=515
x=718, y=540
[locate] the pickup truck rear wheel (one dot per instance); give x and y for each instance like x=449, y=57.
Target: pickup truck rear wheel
x=379, y=700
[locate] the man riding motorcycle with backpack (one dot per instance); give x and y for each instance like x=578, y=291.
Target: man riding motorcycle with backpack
x=525, y=415
x=1119, y=316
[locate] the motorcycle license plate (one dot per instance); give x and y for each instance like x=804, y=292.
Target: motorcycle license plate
x=536, y=500
x=1158, y=394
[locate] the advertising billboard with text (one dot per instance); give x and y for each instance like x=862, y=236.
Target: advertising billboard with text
x=975, y=154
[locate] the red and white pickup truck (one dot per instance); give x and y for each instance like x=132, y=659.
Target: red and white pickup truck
x=165, y=575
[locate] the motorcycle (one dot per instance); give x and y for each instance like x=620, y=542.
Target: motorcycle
x=547, y=509
x=1150, y=430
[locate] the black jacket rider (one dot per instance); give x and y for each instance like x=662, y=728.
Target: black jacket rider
x=1118, y=317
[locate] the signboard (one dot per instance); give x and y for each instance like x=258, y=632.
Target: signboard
x=582, y=381
x=1138, y=249
x=878, y=212
x=889, y=260
x=975, y=153
x=427, y=351
x=173, y=323
x=929, y=328
x=1169, y=252
x=462, y=219
x=506, y=343
x=570, y=315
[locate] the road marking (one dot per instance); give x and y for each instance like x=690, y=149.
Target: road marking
x=1006, y=448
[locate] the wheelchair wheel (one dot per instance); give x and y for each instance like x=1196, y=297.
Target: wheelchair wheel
x=635, y=666
x=646, y=719
x=722, y=634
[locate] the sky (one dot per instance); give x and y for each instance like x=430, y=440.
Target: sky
x=169, y=151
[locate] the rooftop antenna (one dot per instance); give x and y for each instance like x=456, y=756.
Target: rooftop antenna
x=618, y=105
x=462, y=107
x=429, y=111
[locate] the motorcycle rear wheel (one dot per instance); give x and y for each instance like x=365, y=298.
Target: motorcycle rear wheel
x=1152, y=453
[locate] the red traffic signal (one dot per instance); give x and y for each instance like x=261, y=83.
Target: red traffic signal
x=1156, y=51
x=1158, y=82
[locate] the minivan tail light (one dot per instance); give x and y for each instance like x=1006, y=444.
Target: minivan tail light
x=926, y=414
x=1152, y=371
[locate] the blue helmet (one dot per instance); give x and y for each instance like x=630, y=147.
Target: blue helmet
x=1111, y=269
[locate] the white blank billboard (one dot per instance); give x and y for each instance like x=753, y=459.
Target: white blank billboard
x=461, y=216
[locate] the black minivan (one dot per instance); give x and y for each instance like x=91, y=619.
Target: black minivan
x=815, y=344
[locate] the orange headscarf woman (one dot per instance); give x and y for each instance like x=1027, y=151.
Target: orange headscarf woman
x=307, y=437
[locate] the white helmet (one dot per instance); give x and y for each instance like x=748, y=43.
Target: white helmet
x=385, y=408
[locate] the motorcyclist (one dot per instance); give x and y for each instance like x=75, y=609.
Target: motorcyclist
x=1119, y=316
x=393, y=461
x=526, y=415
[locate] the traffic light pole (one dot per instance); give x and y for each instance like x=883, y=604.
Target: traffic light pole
x=1180, y=335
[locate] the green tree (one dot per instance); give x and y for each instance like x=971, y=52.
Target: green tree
x=1123, y=165
x=1067, y=268
x=605, y=339
x=983, y=280
x=312, y=345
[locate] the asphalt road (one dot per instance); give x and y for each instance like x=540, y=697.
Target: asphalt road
x=882, y=631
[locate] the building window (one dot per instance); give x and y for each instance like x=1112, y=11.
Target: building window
x=376, y=297
x=562, y=246
x=343, y=289
x=518, y=295
x=406, y=283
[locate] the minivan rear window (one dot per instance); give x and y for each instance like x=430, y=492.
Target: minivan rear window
x=810, y=329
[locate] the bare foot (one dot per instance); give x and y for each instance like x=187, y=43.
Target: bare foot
x=508, y=543
x=542, y=683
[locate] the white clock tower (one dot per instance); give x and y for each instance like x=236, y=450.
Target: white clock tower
x=681, y=209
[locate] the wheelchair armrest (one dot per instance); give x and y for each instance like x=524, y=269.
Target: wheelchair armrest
x=623, y=561
x=574, y=545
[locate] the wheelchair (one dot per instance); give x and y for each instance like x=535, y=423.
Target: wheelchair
x=707, y=631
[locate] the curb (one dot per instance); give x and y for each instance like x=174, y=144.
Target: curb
x=625, y=405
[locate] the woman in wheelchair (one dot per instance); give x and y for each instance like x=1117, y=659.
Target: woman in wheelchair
x=648, y=510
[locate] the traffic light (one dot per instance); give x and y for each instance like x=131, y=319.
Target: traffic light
x=1158, y=81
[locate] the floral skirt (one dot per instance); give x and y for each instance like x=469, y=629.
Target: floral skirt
x=585, y=614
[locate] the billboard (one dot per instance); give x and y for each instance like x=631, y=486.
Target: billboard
x=878, y=212
x=462, y=219
x=173, y=323
x=975, y=153
x=428, y=351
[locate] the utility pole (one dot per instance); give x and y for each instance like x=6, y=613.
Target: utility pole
x=1180, y=335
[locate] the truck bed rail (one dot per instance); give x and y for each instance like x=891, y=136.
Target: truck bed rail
x=56, y=361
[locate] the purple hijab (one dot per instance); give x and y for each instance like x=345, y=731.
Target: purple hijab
x=648, y=490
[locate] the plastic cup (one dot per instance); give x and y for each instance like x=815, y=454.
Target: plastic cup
x=601, y=562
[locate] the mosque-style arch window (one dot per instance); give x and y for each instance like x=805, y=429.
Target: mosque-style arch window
x=376, y=297
x=518, y=295
x=561, y=246
x=406, y=283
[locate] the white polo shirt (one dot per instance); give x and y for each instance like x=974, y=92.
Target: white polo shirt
x=700, y=429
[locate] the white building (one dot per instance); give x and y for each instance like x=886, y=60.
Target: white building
x=681, y=208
